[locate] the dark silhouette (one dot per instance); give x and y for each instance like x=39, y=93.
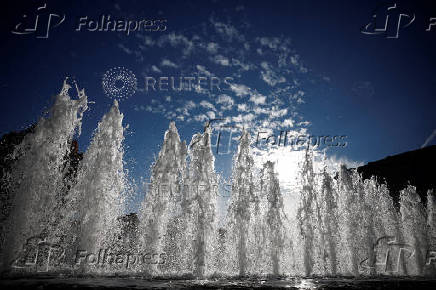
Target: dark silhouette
x=416, y=168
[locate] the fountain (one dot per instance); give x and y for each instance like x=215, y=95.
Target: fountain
x=62, y=223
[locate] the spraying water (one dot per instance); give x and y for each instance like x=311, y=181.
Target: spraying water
x=37, y=175
x=339, y=223
x=96, y=200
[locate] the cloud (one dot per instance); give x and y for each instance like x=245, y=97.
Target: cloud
x=288, y=123
x=177, y=41
x=148, y=41
x=269, y=76
x=243, y=66
x=228, y=31
x=242, y=107
x=295, y=60
x=202, y=68
x=240, y=90
x=221, y=49
x=258, y=99
x=212, y=47
x=225, y=101
x=222, y=60
x=429, y=139
x=334, y=162
x=276, y=113
x=244, y=119
x=207, y=105
x=201, y=118
x=185, y=110
x=155, y=69
x=124, y=48
x=211, y=115
x=270, y=42
x=168, y=63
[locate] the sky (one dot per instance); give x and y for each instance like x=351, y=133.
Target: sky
x=312, y=68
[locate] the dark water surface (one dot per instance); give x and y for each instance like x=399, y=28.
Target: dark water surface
x=47, y=282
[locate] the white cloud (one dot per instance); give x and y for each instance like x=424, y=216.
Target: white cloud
x=228, y=31
x=226, y=102
x=243, y=118
x=125, y=49
x=222, y=60
x=288, y=123
x=271, y=42
x=212, y=47
x=189, y=105
x=269, y=76
x=243, y=66
x=169, y=63
x=429, y=139
x=207, y=105
x=201, y=118
x=240, y=90
x=334, y=162
x=202, y=68
x=211, y=115
x=155, y=69
x=177, y=40
x=242, y=107
x=258, y=99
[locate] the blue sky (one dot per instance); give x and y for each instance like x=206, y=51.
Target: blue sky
x=302, y=66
